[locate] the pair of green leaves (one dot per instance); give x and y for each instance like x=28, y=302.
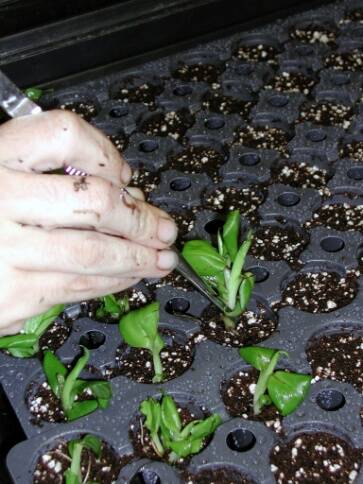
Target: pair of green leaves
x=26, y=343
x=112, y=307
x=222, y=267
x=166, y=431
x=286, y=390
x=73, y=475
x=66, y=385
x=139, y=329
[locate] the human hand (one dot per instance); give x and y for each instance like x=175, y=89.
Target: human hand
x=65, y=239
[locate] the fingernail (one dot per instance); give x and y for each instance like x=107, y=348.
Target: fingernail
x=167, y=230
x=167, y=260
x=126, y=174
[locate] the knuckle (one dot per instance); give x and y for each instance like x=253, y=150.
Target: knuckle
x=103, y=196
x=89, y=253
x=80, y=284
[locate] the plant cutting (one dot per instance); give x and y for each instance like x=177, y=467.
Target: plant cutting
x=26, y=343
x=139, y=329
x=66, y=385
x=284, y=389
x=167, y=433
x=73, y=475
x=222, y=268
x=112, y=307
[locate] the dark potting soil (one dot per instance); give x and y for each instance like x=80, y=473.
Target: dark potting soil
x=198, y=72
x=318, y=457
x=291, y=82
x=257, y=53
x=353, y=151
x=314, y=33
x=252, y=327
x=326, y=113
x=55, y=336
x=137, y=363
x=172, y=123
x=340, y=216
x=197, y=159
x=320, y=292
x=218, y=474
x=355, y=15
x=51, y=465
x=185, y=220
x=272, y=242
x=338, y=356
x=301, y=175
x=144, y=93
x=227, y=198
x=141, y=440
x=120, y=140
x=173, y=279
x=220, y=103
x=263, y=138
x=85, y=109
x=237, y=395
x=347, y=61
x=146, y=180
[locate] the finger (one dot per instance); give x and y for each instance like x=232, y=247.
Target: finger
x=82, y=252
x=51, y=140
x=83, y=202
x=136, y=193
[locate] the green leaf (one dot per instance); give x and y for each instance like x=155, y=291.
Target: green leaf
x=151, y=409
x=112, y=306
x=34, y=93
x=245, y=290
x=206, y=427
x=80, y=409
x=67, y=396
x=102, y=391
x=20, y=345
x=288, y=390
x=39, y=324
x=139, y=327
x=203, y=257
x=71, y=478
x=257, y=356
x=231, y=233
x=189, y=446
x=93, y=443
x=170, y=416
x=53, y=368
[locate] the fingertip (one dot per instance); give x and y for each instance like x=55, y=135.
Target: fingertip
x=167, y=230
x=126, y=173
x=167, y=260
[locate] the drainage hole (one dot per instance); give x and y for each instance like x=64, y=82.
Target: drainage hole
x=145, y=476
x=278, y=101
x=177, y=305
x=180, y=184
x=182, y=91
x=213, y=226
x=316, y=135
x=215, y=123
x=241, y=440
x=119, y=112
x=330, y=400
x=355, y=173
x=92, y=339
x=332, y=244
x=288, y=199
x=261, y=274
x=249, y=159
x=148, y=146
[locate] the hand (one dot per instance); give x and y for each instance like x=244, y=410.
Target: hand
x=65, y=239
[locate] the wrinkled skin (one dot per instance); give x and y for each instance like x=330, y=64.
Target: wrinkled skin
x=67, y=238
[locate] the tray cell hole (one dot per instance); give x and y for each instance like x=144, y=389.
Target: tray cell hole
x=215, y=123
x=330, y=400
x=183, y=90
x=341, y=79
x=92, y=339
x=355, y=173
x=261, y=273
x=278, y=101
x=213, y=226
x=148, y=146
x=249, y=159
x=241, y=440
x=316, y=135
x=177, y=305
x=119, y=112
x=288, y=199
x=145, y=476
x=180, y=184
x=332, y=244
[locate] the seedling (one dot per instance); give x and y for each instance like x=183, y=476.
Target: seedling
x=222, y=268
x=26, y=343
x=286, y=390
x=34, y=93
x=166, y=431
x=139, y=329
x=66, y=385
x=73, y=475
x=112, y=307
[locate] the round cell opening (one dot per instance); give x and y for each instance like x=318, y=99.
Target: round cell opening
x=148, y=146
x=249, y=159
x=288, y=199
x=180, y=184
x=177, y=305
x=332, y=244
x=213, y=226
x=316, y=135
x=182, y=90
x=145, y=476
x=261, y=273
x=92, y=339
x=215, y=123
x=119, y=111
x=330, y=400
x=278, y=101
x=241, y=440
x=355, y=173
